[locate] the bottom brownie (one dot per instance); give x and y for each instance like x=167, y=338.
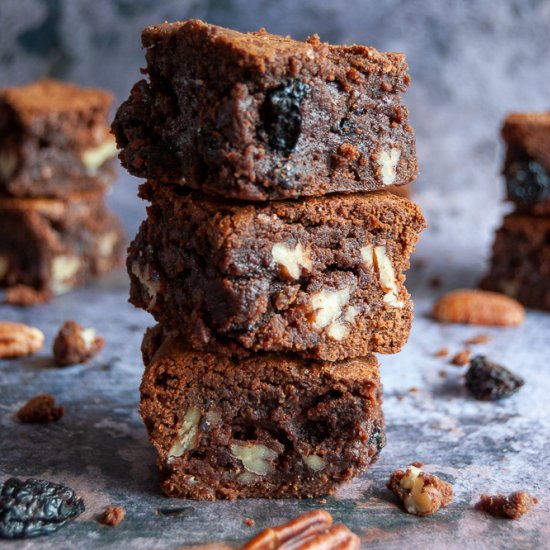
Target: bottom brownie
x=520, y=264
x=56, y=245
x=267, y=426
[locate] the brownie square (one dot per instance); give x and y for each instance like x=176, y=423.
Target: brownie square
x=258, y=116
x=54, y=139
x=323, y=277
x=56, y=245
x=520, y=263
x=527, y=163
x=267, y=426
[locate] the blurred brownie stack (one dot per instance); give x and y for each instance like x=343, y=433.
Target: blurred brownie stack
x=520, y=264
x=270, y=258
x=57, y=161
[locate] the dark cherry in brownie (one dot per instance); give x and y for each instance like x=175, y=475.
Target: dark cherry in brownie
x=266, y=426
x=520, y=263
x=56, y=245
x=527, y=163
x=258, y=116
x=54, y=139
x=321, y=277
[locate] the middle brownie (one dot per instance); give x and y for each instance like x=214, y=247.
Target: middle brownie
x=322, y=276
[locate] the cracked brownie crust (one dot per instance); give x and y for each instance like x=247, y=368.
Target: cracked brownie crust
x=258, y=116
x=54, y=139
x=56, y=245
x=320, y=277
x=520, y=263
x=265, y=426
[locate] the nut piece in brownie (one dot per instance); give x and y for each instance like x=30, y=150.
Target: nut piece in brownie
x=54, y=139
x=258, y=116
x=520, y=263
x=320, y=276
x=56, y=245
x=527, y=164
x=264, y=426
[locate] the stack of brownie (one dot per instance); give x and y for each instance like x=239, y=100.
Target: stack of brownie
x=57, y=160
x=270, y=258
x=520, y=265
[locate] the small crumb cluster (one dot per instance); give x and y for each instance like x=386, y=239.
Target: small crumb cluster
x=41, y=409
x=75, y=344
x=512, y=506
x=112, y=516
x=421, y=493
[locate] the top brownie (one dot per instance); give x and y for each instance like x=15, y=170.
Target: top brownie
x=527, y=163
x=258, y=116
x=54, y=139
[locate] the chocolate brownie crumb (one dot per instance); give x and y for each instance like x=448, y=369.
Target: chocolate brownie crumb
x=512, y=506
x=462, y=358
x=40, y=409
x=442, y=352
x=249, y=522
x=75, y=344
x=26, y=296
x=112, y=516
x=421, y=493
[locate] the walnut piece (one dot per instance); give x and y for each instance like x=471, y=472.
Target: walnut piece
x=18, y=340
x=387, y=161
x=40, y=409
x=314, y=462
x=75, y=344
x=64, y=268
x=376, y=257
x=421, y=493
x=93, y=158
x=308, y=531
x=145, y=277
x=512, y=506
x=292, y=260
x=332, y=310
x=256, y=458
x=187, y=434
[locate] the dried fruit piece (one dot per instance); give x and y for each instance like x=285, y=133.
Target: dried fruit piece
x=112, y=516
x=18, y=340
x=488, y=381
x=311, y=530
x=527, y=182
x=512, y=506
x=422, y=494
x=74, y=344
x=40, y=409
x=282, y=117
x=35, y=507
x=479, y=307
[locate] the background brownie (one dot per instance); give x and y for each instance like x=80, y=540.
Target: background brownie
x=520, y=264
x=266, y=426
x=56, y=245
x=54, y=139
x=322, y=277
x=257, y=116
x=527, y=164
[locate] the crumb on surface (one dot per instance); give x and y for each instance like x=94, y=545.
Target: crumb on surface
x=74, y=344
x=413, y=389
x=40, y=409
x=482, y=338
x=26, y=296
x=435, y=282
x=462, y=358
x=443, y=373
x=249, y=522
x=421, y=493
x=512, y=506
x=112, y=516
x=442, y=352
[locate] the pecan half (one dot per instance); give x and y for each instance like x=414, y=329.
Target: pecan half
x=17, y=340
x=313, y=530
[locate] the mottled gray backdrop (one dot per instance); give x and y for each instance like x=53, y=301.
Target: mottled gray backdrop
x=471, y=62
